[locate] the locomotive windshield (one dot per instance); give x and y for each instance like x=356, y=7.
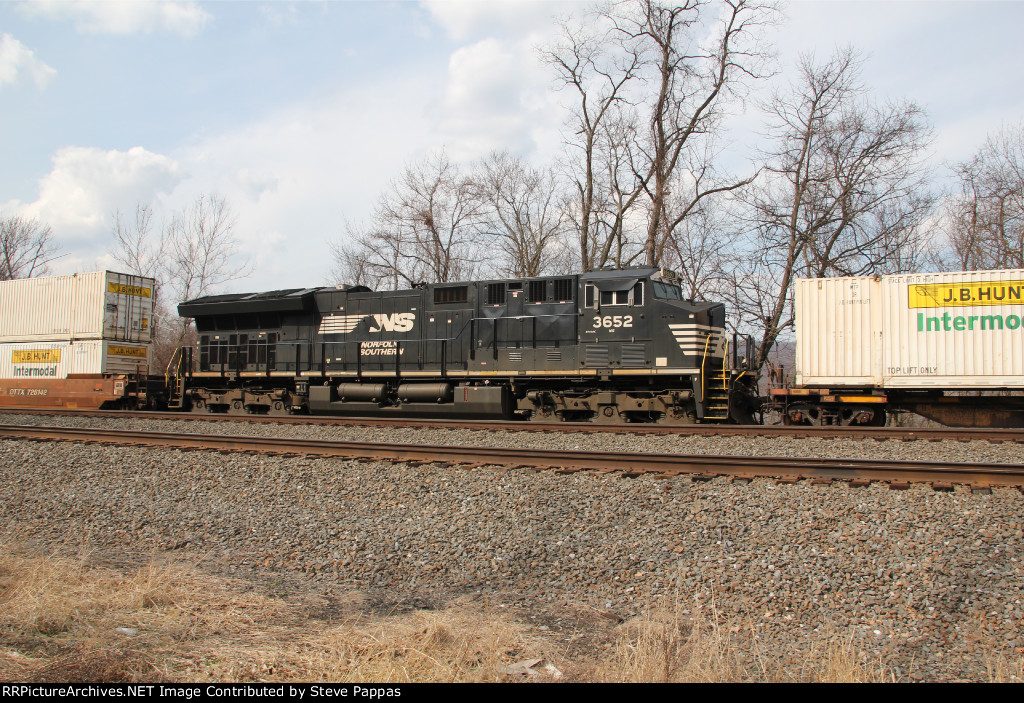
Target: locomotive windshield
x=666, y=291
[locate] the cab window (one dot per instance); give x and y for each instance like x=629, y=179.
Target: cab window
x=633, y=296
x=666, y=291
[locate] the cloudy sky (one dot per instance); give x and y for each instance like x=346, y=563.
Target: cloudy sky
x=300, y=113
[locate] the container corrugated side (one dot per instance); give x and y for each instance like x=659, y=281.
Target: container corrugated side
x=952, y=331
x=837, y=331
x=58, y=360
x=96, y=305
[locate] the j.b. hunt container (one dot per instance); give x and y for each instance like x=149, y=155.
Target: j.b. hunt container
x=81, y=306
x=91, y=373
x=78, y=341
x=955, y=331
x=55, y=360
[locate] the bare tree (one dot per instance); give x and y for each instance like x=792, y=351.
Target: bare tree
x=135, y=246
x=702, y=251
x=140, y=251
x=522, y=209
x=842, y=192
x=26, y=248
x=652, y=82
x=425, y=228
x=351, y=263
x=692, y=76
x=592, y=62
x=193, y=254
x=984, y=221
x=202, y=252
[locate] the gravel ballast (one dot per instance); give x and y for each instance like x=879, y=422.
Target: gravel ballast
x=928, y=582
x=946, y=450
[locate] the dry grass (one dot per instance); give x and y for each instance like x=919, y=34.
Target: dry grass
x=694, y=645
x=66, y=620
x=1003, y=669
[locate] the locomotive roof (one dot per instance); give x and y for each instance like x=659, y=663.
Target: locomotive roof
x=287, y=300
x=638, y=272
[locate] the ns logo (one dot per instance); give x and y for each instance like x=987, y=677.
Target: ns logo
x=397, y=322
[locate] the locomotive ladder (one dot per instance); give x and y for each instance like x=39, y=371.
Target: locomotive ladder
x=174, y=380
x=716, y=384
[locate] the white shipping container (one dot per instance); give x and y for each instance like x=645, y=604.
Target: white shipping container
x=97, y=305
x=953, y=331
x=53, y=361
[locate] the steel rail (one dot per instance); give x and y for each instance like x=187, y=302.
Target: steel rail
x=797, y=431
x=941, y=474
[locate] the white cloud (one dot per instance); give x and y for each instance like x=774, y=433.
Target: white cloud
x=278, y=15
x=86, y=185
x=16, y=58
x=465, y=19
x=184, y=17
x=497, y=95
x=296, y=177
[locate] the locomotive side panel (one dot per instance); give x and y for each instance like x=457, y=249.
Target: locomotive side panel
x=608, y=345
x=525, y=328
x=368, y=334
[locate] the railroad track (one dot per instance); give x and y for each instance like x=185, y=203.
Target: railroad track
x=963, y=434
x=898, y=474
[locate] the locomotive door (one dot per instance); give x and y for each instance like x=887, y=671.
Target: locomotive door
x=447, y=339
x=511, y=330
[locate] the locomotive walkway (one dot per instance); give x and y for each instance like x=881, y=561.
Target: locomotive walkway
x=898, y=474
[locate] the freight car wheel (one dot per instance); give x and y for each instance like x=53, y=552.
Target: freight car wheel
x=802, y=414
x=861, y=416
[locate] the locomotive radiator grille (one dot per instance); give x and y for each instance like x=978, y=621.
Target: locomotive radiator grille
x=596, y=355
x=634, y=355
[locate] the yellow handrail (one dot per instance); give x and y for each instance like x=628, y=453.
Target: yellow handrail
x=725, y=376
x=177, y=355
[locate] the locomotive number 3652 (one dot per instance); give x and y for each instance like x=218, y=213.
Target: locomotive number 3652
x=613, y=321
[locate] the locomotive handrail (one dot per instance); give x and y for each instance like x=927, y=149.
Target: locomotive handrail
x=703, y=363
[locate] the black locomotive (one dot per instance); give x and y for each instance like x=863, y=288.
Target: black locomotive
x=605, y=346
